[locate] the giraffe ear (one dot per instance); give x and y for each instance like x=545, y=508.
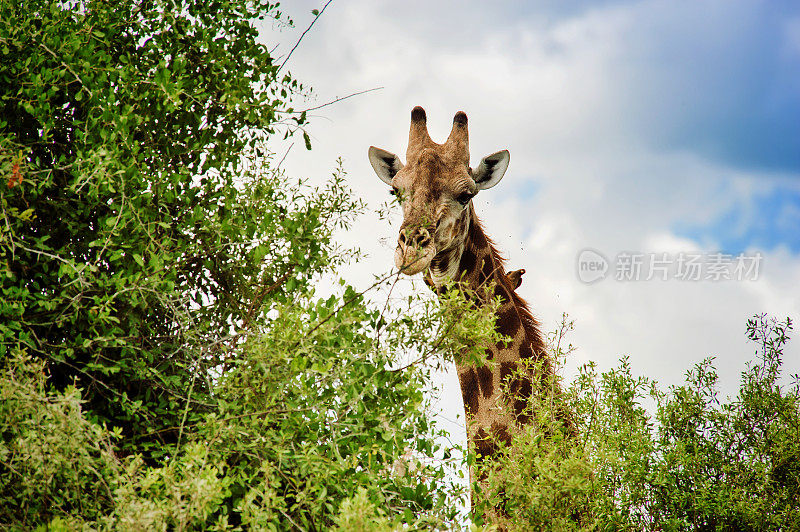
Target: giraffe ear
x=385, y=164
x=491, y=169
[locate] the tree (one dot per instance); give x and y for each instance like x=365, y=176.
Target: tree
x=125, y=249
x=165, y=361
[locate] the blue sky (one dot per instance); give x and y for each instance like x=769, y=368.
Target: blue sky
x=721, y=79
x=765, y=221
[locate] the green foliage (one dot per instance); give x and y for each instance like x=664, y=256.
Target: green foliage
x=125, y=246
x=699, y=463
x=313, y=410
x=313, y=425
x=50, y=453
x=359, y=514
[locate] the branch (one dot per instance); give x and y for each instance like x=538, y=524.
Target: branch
x=285, y=154
x=257, y=413
x=68, y=68
x=256, y=303
x=303, y=35
x=336, y=100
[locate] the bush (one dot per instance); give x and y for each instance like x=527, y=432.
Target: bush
x=698, y=463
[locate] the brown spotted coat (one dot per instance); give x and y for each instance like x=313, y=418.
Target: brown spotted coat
x=479, y=264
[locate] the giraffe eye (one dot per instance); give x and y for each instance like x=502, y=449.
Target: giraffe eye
x=464, y=198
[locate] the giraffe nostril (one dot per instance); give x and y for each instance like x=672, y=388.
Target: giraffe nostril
x=417, y=238
x=423, y=238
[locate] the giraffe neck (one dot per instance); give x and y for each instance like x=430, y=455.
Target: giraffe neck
x=474, y=261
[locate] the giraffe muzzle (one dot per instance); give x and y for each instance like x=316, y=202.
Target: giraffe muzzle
x=415, y=250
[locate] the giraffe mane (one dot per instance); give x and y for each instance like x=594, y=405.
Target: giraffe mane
x=529, y=323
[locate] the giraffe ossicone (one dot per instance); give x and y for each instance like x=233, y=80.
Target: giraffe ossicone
x=442, y=237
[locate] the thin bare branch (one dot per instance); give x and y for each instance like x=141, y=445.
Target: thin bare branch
x=337, y=100
x=303, y=35
x=285, y=154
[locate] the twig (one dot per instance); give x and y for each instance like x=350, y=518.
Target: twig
x=336, y=100
x=257, y=301
x=383, y=311
x=186, y=410
x=230, y=418
x=285, y=154
x=298, y=527
x=303, y=35
x=68, y=68
x=426, y=354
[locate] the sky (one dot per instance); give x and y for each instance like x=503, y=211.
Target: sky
x=667, y=131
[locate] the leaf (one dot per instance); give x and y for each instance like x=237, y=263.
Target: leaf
x=15, y=178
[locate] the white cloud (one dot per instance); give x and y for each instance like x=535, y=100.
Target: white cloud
x=575, y=96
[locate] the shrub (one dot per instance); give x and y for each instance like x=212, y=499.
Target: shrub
x=698, y=463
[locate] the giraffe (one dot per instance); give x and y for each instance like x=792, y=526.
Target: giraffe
x=442, y=237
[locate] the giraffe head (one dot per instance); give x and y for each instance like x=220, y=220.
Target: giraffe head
x=435, y=188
